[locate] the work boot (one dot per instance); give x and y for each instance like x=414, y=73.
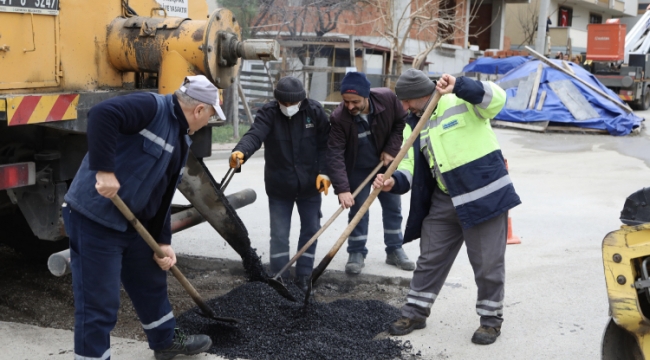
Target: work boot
x=302, y=282
x=486, y=335
x=355, y=264
x=184, y=345
x=406, y=325
x=398, y=258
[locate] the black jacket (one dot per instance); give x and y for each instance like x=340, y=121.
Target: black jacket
x=294, y=149
x=387, y=127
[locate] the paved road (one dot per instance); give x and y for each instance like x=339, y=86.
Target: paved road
x=572, y=187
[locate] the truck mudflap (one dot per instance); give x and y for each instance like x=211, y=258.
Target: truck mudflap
x=204, y=193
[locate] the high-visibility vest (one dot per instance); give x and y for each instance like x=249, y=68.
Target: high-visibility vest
x=464, y=155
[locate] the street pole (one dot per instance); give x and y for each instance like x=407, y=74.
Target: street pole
x=540, y=43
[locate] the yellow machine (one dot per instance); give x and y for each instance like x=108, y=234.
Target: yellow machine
x=626, y=260
x=58, y=58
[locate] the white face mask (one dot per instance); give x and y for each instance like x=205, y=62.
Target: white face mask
x=291, y=110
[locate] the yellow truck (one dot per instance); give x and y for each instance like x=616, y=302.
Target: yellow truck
x=58, y=58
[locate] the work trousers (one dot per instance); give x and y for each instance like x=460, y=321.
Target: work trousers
x=280, y=211
x=101, y=258
x=442, y=238
x=391, y=209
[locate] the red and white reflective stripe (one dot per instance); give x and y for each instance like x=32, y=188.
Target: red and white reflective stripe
x=17, y=175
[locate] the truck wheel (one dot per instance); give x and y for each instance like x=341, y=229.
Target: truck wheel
x=644, y=102
x=618, y=344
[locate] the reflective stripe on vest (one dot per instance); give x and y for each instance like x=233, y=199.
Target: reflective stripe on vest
x=482, y=192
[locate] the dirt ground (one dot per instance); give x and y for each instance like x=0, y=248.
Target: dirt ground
x=30, y=294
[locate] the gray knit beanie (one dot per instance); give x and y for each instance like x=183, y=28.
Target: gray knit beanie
x=413, y=84
x=289, y=90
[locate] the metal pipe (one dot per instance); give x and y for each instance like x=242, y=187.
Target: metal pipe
x=191, y=217
x=59, y=263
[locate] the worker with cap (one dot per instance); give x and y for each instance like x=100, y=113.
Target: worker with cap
x=461, y=192
x=294, y=132
x=137, y=147
x=366, y=129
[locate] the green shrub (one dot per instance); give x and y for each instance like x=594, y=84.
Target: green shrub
x=223, y=134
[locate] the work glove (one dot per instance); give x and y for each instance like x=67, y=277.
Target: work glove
x=236, y=159
x=323, y=183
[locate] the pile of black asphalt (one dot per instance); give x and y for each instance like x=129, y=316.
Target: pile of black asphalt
x=273, y=327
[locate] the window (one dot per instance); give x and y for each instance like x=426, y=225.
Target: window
x=595, y=18
x=564, y=16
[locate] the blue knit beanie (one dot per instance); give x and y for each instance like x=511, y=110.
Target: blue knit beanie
x=355, y=83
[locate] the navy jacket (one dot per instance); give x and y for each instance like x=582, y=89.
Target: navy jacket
x=294, y=149
x=141, y=162
x=421, y=190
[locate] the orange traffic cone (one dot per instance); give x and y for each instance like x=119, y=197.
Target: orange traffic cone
x=512, y=238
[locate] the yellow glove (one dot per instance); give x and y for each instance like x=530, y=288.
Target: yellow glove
x=323, y=183
x=236, y=159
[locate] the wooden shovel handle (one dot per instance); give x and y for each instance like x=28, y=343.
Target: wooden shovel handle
x=329, y=222
x=318, y=271
x=160, y=253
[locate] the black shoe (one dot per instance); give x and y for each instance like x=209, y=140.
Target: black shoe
x=355, y=264
x=405, y=326
x=184, y=345
x=302, y=282
x=486, y=335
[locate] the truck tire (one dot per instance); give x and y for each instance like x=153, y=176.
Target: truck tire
x=644, y=102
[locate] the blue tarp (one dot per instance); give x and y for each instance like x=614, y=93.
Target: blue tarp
x=612, y=118
x=488, y=65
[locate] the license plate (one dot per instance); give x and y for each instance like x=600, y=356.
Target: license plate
x=42, y=7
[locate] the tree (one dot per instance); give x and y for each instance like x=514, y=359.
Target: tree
x=245, y=11
x=398, y=21
x=294, y=17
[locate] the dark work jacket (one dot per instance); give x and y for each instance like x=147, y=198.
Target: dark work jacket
x=294, y=149
x=141, y=161
x=342, y=146
x=422, y=187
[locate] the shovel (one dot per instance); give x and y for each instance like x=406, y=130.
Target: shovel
x=318, y=271
x=278, y=285
x=229, y=174
x=206, y=311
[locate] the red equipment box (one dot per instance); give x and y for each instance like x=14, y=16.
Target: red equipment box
x=605, y=42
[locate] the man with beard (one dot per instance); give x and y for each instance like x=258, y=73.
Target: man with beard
x=366, y=128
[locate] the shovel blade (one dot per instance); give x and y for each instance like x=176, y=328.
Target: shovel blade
x=281, y=289
x=212, y=316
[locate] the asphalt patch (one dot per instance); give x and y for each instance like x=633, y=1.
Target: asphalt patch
x=273, y=327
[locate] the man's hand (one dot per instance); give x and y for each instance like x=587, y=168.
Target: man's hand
x=236, y=159
x=107, y=184
x=346, y=200
x=385, y=185
x=445, y=84
x=167, y=262
x=386, y=158
x=323, y=183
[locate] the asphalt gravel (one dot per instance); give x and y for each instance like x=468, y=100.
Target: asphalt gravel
x=273, y=327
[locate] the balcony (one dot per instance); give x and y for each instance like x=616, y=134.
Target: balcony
x=560, y=36
x=612, y=7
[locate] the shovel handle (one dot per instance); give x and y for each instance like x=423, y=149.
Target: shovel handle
x=328, y=223
x=161, y=254
x=318, y=271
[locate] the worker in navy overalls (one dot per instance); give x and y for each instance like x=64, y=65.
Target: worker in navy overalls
x=137, y=147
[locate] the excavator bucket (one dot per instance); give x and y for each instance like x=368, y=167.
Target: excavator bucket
x=202, y=191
